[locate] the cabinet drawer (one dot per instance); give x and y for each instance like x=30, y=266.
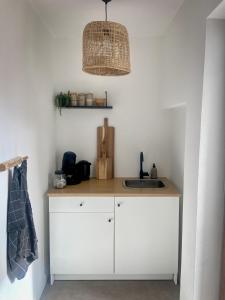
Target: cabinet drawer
x=81, y=204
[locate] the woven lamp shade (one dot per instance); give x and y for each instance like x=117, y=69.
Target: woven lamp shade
x=106, y=49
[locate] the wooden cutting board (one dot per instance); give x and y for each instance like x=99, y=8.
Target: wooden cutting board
x=105, y=151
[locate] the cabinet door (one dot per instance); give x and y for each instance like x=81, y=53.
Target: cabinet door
x=81, y=243
x=146, y=235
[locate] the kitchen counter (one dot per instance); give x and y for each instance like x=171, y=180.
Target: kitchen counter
x=113, y=187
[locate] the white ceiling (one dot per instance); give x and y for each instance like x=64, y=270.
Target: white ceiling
x=65, y=18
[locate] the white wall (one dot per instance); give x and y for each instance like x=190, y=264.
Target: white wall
x=210, y=217
x=26, y=128
x=177, y=140
x=140, y=123
x=183, y=59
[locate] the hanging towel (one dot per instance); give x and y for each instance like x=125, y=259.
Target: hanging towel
x=21, y=235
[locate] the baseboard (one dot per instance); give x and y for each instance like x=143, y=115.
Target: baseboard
x=115, y=277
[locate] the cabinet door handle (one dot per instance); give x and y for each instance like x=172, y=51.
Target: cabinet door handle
x=118, y=204
x=81, y=204
x=109, y=220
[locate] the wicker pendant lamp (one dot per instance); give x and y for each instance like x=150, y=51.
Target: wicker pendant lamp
x=106, y=48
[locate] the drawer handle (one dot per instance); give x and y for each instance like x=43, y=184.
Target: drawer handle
x=81, y=204
x=118, y=204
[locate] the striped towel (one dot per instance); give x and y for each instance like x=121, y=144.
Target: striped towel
x=21, y=235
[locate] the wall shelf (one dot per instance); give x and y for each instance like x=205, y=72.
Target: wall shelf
x=87, y=107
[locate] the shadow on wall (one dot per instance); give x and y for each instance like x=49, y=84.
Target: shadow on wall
x=11, y=276
x=178, y=129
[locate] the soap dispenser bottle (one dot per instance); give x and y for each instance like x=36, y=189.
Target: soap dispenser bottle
x=154, y=174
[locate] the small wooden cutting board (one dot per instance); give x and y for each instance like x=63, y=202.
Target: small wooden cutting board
x=104, y=168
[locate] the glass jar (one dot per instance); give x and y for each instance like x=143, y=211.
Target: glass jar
x=81, y=99
x=89, y=99
x=74, y=99
x=59, y=179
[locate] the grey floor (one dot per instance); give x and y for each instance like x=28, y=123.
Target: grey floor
x=110, y=290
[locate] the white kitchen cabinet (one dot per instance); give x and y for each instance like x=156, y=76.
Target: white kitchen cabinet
x=146, y=235
x=113, y=238
x=81, y=242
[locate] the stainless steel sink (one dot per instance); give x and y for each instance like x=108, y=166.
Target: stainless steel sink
x=143, y=183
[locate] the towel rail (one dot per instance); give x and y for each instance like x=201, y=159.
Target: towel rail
x=12, y=163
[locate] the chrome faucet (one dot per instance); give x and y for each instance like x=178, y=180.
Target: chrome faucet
x=142, y=173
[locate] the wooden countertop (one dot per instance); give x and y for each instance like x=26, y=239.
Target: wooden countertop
x=113, y=187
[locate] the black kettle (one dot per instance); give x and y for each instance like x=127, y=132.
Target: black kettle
x=83, y=170
x=69, y=162
x=69, y=168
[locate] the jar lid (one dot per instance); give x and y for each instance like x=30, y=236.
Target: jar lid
x=59, y=172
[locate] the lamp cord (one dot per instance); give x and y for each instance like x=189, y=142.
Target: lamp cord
x=106, y=12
